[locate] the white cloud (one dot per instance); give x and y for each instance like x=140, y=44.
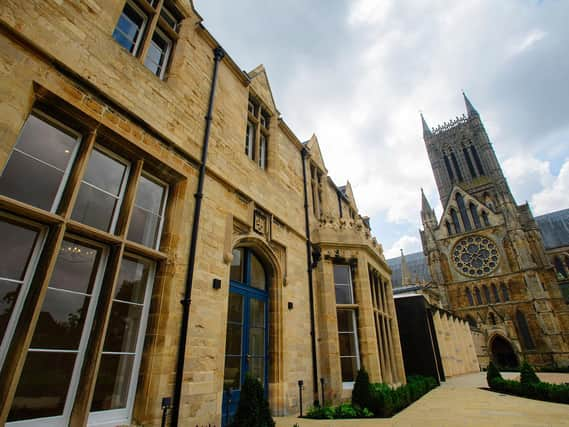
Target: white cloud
x=555, y=196
x=527, y=175
x=409, y=244
x=528, y=41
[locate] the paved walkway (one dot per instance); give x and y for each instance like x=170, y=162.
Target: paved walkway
x=459, y=402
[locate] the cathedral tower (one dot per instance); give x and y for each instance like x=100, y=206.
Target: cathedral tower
x=486, y=253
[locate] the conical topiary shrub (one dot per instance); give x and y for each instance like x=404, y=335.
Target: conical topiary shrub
x=528, y=375
x=361, y=394
x=253, y=409
x=492, y=374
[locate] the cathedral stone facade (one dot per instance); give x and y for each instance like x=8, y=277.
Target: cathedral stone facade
x=486, y=255
x=164, y=231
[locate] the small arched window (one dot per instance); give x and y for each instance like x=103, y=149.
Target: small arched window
x=485, y=219
x=559, y=267
x=449, y=168
x=492, y=318
x=449, y=230
x=469, y=297
x=523, y=330
x=456, y=166
x=475, y=216
x=495, y=292
x=478, y=296
x=477, y=160
x=469, y=162
x=486, y=292
x=463, y=213
x=455, y=221
x=505, y=293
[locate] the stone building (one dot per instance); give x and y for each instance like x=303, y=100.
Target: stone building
x=490, y=260
x=150, y=257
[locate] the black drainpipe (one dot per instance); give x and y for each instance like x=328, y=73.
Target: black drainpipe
x=310, y=285
x=218, y=55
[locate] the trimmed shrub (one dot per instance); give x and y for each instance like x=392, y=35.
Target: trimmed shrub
x=345, y=410
x=558, y=393
x=492, y=374
x=321, y=413
x=382, y=401
x=361, y=394
x=527, y=374
x=253, y=409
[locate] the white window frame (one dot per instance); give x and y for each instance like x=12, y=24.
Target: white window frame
x=64, y=418
x=114, y=417
x=26, y=281
x=142, y=27
x=250, y=140
x=262, y=151
x=349, y=285
x=119, y=198
x=166, y=57
x=162, y=208
x=169, y=16
x=348, y=385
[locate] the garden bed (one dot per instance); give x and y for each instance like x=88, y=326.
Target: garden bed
x=376, y=400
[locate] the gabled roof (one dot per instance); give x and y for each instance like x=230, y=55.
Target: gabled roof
x=349, y=193
x=467, y=199
x=315, y=153
x=554, y=228
x=262, y=87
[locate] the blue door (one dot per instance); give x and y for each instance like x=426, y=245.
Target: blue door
x=246, y=347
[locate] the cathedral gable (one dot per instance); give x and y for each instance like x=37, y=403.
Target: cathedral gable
x=478, y=215
x=315, y=154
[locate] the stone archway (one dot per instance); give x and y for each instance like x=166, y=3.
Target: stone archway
x=502, y=353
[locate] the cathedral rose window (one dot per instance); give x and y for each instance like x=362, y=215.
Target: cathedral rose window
x=475, y=256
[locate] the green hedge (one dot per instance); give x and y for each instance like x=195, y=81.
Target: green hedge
x=530, y=386
x=376, y=400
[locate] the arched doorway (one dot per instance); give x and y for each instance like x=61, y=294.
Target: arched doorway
x=502, y=353
x=246, y=348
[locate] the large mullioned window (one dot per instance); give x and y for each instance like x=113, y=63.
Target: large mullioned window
x=257, y=133
x=80, y=231
x=347, y=325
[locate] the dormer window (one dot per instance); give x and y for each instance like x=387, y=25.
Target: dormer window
x=257, y=133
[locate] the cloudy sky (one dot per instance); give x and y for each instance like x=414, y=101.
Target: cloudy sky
x=357, y=73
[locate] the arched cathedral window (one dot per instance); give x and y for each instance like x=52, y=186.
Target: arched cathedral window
x=469, y=297
x=477, y=160
x=559, y=268
x=469, y=162
x=505, y=293
x=485, y=219
x=463, y=213
x=486, y=292
x=456, y=166
x=449, y=168
x=455, y=221
x=523, y=330
x=495, y=292
x=449, y=230
x=478, y=296
x=492, y=318
x=475, y=216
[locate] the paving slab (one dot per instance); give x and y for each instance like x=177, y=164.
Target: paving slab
x=460, y=402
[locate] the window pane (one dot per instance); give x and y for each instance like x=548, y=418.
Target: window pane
x=132, y=281
x=16, y=247
x=345, y=321
x=94, y=208
x=349, y=368
x=235, y=310
x=232, y=373
x=344, y=295
x=47, y=143
x=122, y=332
x=105, y=173
x=236, y=272
x=233, y=340
x=257, y=313
x=157, y=55
x=341, y=274
x=129, y=28
x=257, y=368
x=347, y=345
x=75, y=267
x=30, y=181
x=257, y=341
x=113, y=382
x=43, y=385
x=8, y=295
x=61, y=321
x=258, y=279
x=150, y=196
x=147, y=213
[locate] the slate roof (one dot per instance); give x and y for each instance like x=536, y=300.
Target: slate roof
x=554, y=228
x=416, y=264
